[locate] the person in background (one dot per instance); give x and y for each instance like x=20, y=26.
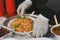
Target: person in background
x=10, y=7
x=1, y=8
x=7, y=7
x=39, y=7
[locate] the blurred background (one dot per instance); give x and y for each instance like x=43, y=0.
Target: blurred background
x=52, y=4
x=45, y=7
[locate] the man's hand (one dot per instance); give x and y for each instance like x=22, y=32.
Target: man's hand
x=23, y=6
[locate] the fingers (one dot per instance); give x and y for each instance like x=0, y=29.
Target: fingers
x=22, y=11
x=19, y=10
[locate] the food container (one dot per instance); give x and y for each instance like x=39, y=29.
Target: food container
x=22, y=33
x=57, y=37
x=9, y=34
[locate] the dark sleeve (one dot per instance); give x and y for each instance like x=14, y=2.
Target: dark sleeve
x=18, y=2
x=39, y=8
x=58, y=16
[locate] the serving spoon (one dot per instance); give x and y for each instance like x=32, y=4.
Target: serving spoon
x=55, y=18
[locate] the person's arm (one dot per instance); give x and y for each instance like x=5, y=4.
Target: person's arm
x=40, y=8
x=18, y=2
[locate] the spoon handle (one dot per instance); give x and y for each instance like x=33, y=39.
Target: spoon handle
x=55, y=18
x=32, y=13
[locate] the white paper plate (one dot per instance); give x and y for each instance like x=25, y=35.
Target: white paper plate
x=28, y=39
x=10, y=39
x=38, y=39
x=43, y=38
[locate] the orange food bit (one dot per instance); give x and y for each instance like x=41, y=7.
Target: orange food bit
x=19, y=29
